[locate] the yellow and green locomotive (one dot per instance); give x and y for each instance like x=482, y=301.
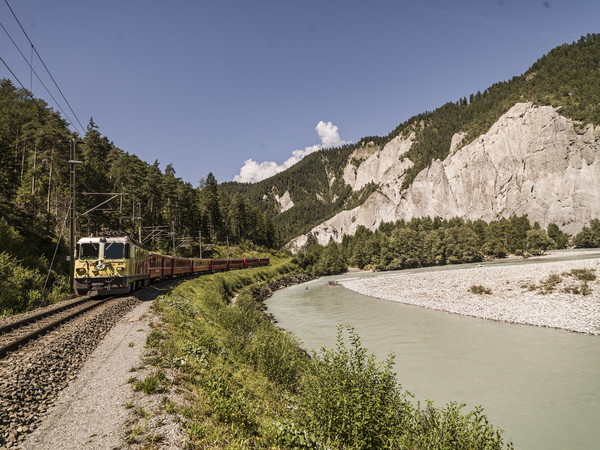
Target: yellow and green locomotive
x=110, y=264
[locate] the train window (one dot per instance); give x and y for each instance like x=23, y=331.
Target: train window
x=113, y=250
x=88, y=250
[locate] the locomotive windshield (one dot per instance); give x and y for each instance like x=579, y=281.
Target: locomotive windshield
x=89, y=250
x=113, y=250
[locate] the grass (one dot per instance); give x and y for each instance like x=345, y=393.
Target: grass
x=478, y=289
x=243, y=383
x=568, y=281
x=582, y=274
x=155, y=382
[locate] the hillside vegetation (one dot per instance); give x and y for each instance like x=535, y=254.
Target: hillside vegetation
x=565, y=78
x=244, y=383
x=35, y=197
x=34, y=178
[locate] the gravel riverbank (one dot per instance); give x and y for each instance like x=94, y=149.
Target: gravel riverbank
x=534, y=294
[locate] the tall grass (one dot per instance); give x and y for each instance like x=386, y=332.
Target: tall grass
x=251, y=386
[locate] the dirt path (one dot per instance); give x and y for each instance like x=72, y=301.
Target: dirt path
x=90, y=412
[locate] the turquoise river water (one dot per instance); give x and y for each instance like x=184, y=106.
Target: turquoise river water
x=540, y=385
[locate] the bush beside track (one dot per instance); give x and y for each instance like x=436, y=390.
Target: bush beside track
x=244, y=383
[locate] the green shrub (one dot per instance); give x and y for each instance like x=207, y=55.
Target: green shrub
x=20, y=288
x=582, y=274
x=288, y=436
x=549, y=284
x=478, y=289
x=449, y=428
x=230, y=402
x=350, y=400
x=277, y=355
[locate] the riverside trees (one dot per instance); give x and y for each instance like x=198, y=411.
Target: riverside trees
x=426, y=242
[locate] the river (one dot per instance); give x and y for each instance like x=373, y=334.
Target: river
x=540, y=385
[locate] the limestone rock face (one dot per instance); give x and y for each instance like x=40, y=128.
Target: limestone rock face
x=532, y=161
x=285, y=201
x=380, y=166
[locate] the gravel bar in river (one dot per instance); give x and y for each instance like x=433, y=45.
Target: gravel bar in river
x=515, y=293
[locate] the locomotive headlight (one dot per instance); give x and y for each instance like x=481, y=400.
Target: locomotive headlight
x=120, y=269
x=80, y=270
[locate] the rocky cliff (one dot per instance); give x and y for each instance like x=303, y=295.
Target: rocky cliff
x=531, y=161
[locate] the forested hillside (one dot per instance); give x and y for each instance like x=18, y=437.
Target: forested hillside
x=35, y=193
x=34, y=179
x=316, y=186
x=566, y=78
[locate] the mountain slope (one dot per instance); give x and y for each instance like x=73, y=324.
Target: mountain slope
x=532, y=161
x=322, y=187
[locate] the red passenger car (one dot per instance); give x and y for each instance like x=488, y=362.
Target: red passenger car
x=218, y=264
x=251, y=262
x=236, y=263
x=159, y=266
x=181, y=266
x=200, y=265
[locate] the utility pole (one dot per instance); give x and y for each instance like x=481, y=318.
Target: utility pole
x=73, y=216
x=173, y=236
x=200, y=234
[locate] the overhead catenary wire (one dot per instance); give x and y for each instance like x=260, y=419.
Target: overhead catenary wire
x=33, y=71
x=45, y=67
x=19, y=81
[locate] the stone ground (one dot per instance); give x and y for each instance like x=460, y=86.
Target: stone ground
x=513, y=295
x=90, y=412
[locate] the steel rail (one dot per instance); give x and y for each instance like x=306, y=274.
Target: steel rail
x=15, y=344
x=19, y=323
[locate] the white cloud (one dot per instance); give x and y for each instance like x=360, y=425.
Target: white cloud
x=252, y=171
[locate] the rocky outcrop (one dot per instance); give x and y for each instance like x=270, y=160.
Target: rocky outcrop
x=532, y=161
x=285, y=201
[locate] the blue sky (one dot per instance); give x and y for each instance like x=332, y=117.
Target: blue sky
x=209, y=85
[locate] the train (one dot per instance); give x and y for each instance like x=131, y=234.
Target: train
x=118, y=264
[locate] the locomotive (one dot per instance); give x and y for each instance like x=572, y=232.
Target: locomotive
x=119, y=264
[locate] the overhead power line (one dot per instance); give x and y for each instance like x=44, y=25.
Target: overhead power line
x=45, y=67
x=24, y=88
x=36, y=75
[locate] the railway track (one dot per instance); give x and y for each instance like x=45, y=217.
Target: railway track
x=19, y=332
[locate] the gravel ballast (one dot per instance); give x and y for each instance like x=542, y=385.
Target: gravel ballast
x=515, y=293
x=90, y=412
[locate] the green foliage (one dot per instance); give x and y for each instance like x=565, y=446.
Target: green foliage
x=351, y=401
x=567, y=281
x=538, y=242
x=582, y=274
x=557, y=235
x=478, y=289
x=589, y=237
x=331, y=261
x=154, y=383
x=449, y=428
x=230, y=402
x=287, y=435
x=548, y=285
x=253, y=387
x=279, y=358
x=20, y=288
x=427, y=242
